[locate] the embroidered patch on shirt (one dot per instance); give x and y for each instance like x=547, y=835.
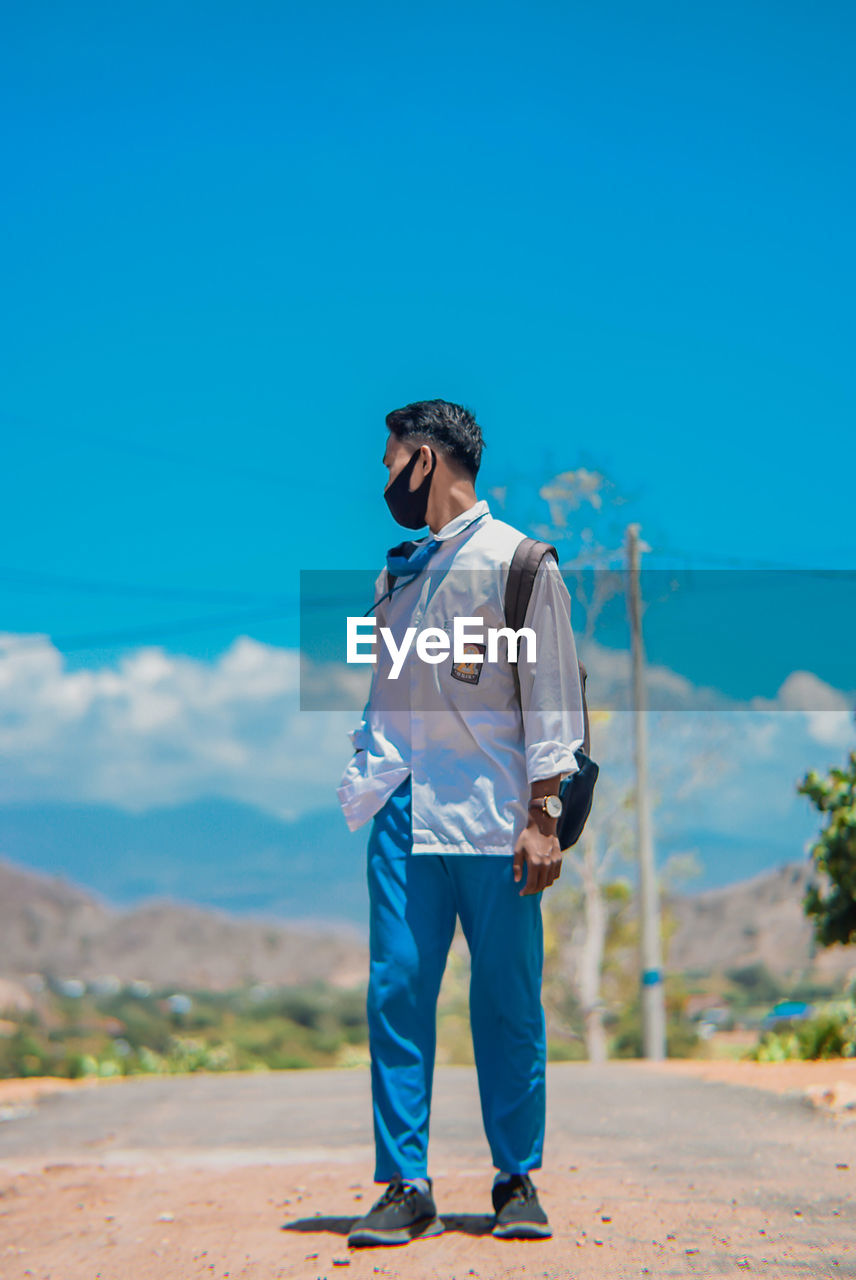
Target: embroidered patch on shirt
x=470, y=671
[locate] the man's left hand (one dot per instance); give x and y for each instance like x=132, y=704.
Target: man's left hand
x=538, y=847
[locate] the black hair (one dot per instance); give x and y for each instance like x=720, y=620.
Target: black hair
x=451, y=427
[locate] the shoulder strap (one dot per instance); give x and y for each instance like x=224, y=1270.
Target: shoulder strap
x=521, y=578
x=518, y=588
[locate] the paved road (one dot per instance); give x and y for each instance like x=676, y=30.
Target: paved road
x=622, y=1115
x=727, y=1163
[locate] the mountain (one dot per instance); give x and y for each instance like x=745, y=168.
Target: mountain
x=759, y=920
x=235, y=857
x=213, y=852
x=50, y=926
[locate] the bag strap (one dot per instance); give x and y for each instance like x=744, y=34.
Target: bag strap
x=521, y=578
x=525, y=563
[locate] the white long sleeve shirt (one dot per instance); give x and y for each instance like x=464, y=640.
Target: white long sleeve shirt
x=470, y=743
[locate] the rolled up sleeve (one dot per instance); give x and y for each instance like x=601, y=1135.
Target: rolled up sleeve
x=550, y=688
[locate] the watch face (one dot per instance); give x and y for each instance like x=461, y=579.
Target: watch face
x=554, y=806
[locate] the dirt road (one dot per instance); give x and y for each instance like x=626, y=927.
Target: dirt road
x=649, y=1169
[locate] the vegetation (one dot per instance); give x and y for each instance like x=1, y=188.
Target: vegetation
x=682, y=1039
x=753, y=985
x=75, y=1030
x=830, y=1033
x=127, y=1033
x=620, y=998
x=834, y=854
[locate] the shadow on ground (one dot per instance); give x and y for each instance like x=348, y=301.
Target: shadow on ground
x=470, y=1224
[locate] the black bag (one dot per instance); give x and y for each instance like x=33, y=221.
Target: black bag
x=577, y=790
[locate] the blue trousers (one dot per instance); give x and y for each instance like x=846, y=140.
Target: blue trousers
x=414, y=903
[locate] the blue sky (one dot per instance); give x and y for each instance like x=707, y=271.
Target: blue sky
x=232, y=238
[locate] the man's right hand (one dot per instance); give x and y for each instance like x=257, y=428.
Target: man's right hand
x=537, y=849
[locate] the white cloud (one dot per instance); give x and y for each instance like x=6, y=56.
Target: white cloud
x=162, y=729
x=159, y=728
x=718, y=764
x=828, y=710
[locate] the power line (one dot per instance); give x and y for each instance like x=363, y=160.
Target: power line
x=34, y=578
x=740, y=562
x=139, y=633
x=266, y=475
x=156, y=631
x=37, y=580
x=259, y=475
x=274, y=606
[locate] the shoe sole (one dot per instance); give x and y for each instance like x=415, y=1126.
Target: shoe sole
x=522, y=1231
x=401, y=1235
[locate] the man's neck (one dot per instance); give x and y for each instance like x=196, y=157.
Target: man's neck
x=459, y=498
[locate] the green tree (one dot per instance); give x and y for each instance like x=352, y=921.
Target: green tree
x=757, y=984
x=833, y=904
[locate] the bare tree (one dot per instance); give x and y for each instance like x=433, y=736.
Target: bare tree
x=586, y=521
x=596, y=498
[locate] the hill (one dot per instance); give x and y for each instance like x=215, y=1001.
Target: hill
x=50, y=926
x=215, y=852
x=233, y=856
x=755, y=921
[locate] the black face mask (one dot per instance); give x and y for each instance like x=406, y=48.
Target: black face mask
x=408, y=507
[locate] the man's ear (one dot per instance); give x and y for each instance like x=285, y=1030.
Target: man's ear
x=420, y=471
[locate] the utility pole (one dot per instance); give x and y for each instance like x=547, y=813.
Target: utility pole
x=653, y=1003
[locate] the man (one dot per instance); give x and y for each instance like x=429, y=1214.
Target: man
x=454, y=761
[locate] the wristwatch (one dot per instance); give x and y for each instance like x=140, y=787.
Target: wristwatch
x=551, y=805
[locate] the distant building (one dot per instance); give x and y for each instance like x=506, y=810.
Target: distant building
x=786, y=1012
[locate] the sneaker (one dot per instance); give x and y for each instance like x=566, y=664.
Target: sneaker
x=518, y=1213
x=402, y=1213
